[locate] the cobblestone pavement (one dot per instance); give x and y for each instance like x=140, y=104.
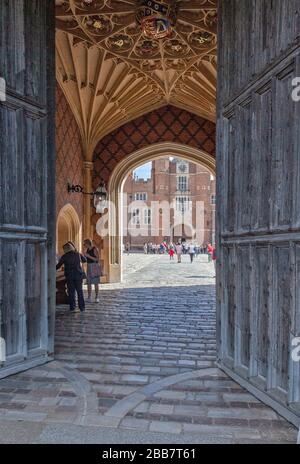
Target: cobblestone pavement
x=140, y=364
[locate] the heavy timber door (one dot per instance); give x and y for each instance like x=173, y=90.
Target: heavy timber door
x=26, y=183
x=259, y=198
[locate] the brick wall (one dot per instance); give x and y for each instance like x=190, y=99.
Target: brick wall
x=69, y=156
x=163, y=187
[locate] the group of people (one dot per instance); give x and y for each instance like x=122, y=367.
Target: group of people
x=72, y=261
x=181, y=248
x=155, y=249
x=191, y=249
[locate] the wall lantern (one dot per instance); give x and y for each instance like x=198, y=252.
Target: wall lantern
x=100, y=196
x=100, y=199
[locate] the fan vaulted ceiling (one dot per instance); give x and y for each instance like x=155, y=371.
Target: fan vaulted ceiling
x=111, y=72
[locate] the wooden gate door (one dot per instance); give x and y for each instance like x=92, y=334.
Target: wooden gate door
x=27, y=184
x=258, y=288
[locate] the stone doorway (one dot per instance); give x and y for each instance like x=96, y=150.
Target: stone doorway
x=68, y=228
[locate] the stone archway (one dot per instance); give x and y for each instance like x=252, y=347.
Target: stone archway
x=112, y=243
x=68, y=228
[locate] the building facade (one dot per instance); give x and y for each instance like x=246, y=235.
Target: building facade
x=176, y=202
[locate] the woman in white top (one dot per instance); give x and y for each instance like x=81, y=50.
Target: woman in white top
x=179, y=252
x=192, y=251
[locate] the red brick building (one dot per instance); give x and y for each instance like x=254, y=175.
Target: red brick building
x=177, y=201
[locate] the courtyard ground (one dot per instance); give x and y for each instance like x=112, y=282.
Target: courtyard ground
x=138, y=368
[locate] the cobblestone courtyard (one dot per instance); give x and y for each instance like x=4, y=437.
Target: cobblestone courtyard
x=138, y=368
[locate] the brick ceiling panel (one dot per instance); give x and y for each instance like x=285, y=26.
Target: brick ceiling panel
x=196, y=132
x=69, y=159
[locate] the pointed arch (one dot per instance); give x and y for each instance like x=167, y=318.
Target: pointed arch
x=68, y=228
x=113, y=246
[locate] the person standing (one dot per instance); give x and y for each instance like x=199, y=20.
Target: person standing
x=214, y=258
x=179, y=252
x=171, y=252
x=192, y=252
x=92, y=256
x=71, y=260
x=127, y=248
x=209, y=252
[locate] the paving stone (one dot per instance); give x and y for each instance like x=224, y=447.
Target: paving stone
x=26, y=416
x=246, y=414
x=101, y=389
x=4, y=397
x=124, y=390
x=67, y=402
x=246, y=434
x=173, y=395
x=204, y=364
x=165, y=427
x=203, y=397
x=12, y=405
x=151, y=370
x=168, y=362
x=187, y=410
x=68, y=394
x=121, y=408
x=162, y=409
x=103, y=421
x=48, y=401
x=142, y=408
x=61, y=417
x=185, y=362
x=169, y=370
x=141, y=379
x=240, y=397
x=136, y=424
x=221, y=432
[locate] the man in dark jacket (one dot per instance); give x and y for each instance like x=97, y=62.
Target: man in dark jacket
x=74, y=274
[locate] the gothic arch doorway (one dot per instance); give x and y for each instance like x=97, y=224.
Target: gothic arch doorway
x=68, y=228
x=113, y=245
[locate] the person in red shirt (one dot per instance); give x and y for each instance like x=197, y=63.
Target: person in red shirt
x=209, y=248
x=212, y=253
x=171, y=253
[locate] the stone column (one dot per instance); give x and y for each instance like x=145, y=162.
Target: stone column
x=87, y=209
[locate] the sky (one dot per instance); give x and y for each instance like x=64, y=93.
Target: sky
x=144, y=172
